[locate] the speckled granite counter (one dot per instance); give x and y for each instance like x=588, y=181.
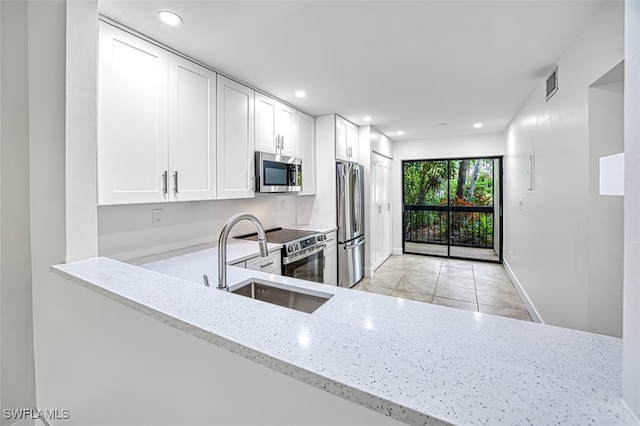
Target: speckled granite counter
x=418, y=363
x=313, y=228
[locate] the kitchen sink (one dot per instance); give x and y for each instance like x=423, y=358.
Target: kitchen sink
x=300, y=299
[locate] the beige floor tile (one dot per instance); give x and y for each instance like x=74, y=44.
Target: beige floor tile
x=505, y=312
x=500, y=299
x=496, y=286
x=427, y=277
x=488, y=275
x=458, y=293
x=374, y=289
x=456, y=282
x=417, y=286
x=456, y=273
x=452, y=303
x=458, y=264
x=412, y=296
x=486, y=266
x=425, y=267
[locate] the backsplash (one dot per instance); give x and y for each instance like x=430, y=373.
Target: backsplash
x=128, y=231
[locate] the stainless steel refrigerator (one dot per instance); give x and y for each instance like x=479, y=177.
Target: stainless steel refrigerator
x=350, y=203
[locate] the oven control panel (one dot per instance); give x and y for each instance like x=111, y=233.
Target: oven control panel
x=304, y=244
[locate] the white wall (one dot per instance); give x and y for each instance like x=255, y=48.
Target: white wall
x=17, y=375
x=127, y=232
x=478, y=145
x=546, y=241
x=605, y=241
x=81, y=130
x=631, y=336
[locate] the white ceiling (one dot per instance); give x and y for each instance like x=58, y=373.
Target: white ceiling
x=411, y=65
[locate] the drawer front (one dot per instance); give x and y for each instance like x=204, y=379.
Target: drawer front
x=269, y=264
x=332, y=238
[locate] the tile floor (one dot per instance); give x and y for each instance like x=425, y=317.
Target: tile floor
x=474, y=286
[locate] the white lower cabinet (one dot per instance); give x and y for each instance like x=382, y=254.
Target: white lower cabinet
x=235, y=171
x=330, y=274
x=270, y=264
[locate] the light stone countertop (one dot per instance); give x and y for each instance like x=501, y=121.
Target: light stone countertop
x=314, y=228
x=416, y=362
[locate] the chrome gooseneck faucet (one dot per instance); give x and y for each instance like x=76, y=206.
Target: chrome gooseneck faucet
x=222, y=244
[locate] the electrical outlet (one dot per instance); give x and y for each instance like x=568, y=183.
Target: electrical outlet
x=157, y=216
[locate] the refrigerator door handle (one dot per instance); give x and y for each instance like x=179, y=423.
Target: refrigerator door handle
x=352, y=246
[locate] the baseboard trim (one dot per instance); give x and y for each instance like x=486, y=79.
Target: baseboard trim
x=368, y=272
x=535, y=315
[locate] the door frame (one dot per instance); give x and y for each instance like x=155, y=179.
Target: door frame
x=500, y=220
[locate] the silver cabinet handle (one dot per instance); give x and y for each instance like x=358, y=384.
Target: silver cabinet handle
x=164, y=182
x=253, y=186
x=266, y=264
x=175, y=182
x=388, y=206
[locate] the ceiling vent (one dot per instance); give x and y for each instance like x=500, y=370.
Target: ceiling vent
x=552, y=83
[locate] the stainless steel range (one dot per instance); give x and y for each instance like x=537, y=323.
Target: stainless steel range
x=302, y=252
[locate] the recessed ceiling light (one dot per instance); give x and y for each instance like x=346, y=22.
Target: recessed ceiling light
x=400, y=133
x=169, y=18
x=477, y=125
x=367, y=118
x=300, y=93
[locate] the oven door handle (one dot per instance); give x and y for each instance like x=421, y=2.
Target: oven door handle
x=291, y=259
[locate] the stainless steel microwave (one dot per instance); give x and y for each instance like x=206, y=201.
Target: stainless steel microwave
x=278, y=173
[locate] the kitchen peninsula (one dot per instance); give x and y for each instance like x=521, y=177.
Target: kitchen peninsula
x=408, y=361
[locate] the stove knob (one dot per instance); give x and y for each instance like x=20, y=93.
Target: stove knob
x=290, y=249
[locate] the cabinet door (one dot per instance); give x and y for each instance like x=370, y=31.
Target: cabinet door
x=265, y=126
x=132, y=119
x=330, y=273
x=192, y=131
x=235, y=171
x=341, y=139
x=352, y=142
x=285, y=127
x=306, y=133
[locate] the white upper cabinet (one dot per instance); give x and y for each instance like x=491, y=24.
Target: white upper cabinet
x=346, y=140
x=306, y=137
x=274, y=126
x=192, y=131
x=157, y=123
x=235, y=140
x=132, y=119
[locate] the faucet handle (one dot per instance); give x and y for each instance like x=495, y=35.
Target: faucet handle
x=262, y=243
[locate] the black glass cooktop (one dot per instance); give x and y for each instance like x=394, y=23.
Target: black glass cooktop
x=280, y=236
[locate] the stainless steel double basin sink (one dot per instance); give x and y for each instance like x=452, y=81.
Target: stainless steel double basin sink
x=300, y=299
